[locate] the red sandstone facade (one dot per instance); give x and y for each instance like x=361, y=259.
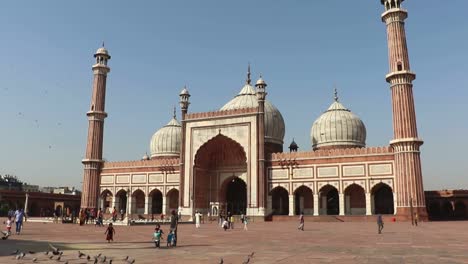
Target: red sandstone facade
x=230, y=160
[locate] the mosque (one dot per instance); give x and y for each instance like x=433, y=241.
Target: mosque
x=233, y=159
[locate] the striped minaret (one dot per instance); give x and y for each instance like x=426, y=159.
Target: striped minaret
x=96, y=115
x=409, y=184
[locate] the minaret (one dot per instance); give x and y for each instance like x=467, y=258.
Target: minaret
x=261, y=94
x=96, y=115
x=184, y=104
x=409, y=184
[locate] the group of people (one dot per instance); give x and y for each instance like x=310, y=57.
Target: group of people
x=90, y=215
x=227, y=221
x=16, y=217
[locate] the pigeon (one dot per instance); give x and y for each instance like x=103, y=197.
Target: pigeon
x=55, y=250
x=221, y=261
x=80, y=254
x=95, y=260
x=46, y=253
x=88, y=258
x=126, y=258
x=104, y=259
x=51, y=256
x=131, y=262
x=110, y=261
x=59, y=257
x=5, y=235
x=16, y=252
x=251, y=255
x=34, y=260
x=31, y=252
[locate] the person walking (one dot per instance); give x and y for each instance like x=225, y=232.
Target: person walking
x=380, y=223
x=246, y=222
x=110, y=231
x=19, y=215
x=416, y=219
x=197, y=219
x=301, y=222
x=173, y=226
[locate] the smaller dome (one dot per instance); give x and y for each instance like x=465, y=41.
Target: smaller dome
x=145, y=157
x=260, y=81
x=293, y=146
x=102, y=51
x=338, y=127
x=184, y=91
x=166, y=142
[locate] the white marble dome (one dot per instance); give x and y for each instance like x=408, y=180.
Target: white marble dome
x=166, y=142
x=274, y=122
x=338, y=127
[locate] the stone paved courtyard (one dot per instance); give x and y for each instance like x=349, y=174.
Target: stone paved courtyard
x=272, y=242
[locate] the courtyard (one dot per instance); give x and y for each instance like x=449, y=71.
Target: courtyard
x=271, y=242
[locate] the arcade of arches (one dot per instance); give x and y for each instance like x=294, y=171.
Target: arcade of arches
x=139, y=203
x=329, y=201
x=219, y=177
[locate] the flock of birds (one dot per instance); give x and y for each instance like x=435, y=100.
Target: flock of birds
x=55, y=254
x=247, y=261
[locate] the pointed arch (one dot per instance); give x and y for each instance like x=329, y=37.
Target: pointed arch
x=355, y=200
x=280, y=201
x=303, y=200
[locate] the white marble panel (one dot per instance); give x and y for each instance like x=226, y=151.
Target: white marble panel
x=380, y=169
x=303, y=173
x=172, y=177
x=357, y=170
x=277, y=174
x=122, y=179
x=327, y=171
x=156, y=177
x=139, y=178
x=107, y=179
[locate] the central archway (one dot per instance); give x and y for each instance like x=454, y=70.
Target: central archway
x=215, y=162
x=236, y=196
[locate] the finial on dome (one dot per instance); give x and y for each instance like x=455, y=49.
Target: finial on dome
x=248, y=75
x=174, y=113
x=336, y=95
x=103, y=43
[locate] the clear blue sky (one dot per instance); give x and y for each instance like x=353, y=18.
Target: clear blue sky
x=302, y=48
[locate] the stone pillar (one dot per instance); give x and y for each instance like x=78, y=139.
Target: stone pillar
x=129, y=204
x=164, y=205
x=316, y=204
x=348, y=205
x=368, y=204
x=373, y=204
x=269, y=204
x=342, y=203
x=147, y=203
x=291, y=205
x=261, y=180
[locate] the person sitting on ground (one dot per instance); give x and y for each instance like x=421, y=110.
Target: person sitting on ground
x=225, y=224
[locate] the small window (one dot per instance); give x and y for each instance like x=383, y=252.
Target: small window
x=92, y=107
x=399, y=66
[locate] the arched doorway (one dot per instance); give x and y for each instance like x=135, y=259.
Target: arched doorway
x=303, y=201
x=434, y=210
x=138, y=202
x=236, y=196
x=382, y=199
x=330, y=203
x=172, y=200
x=106, y=201
x=121, y=201
x=214, y=159
x=355, y=200
x=156, y=201
x=447, y=210
x=460, y=210
x=280, y=201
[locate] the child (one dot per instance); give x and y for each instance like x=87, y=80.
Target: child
x=8, y=225
x=246, y=221
x=170, y=239
x=110, y=233
x=225, y=224
x=157, y=236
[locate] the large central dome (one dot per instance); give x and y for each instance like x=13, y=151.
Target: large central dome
x=338, y=127
x=274, y=122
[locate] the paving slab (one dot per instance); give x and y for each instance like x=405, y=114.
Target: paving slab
x=271, y=242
